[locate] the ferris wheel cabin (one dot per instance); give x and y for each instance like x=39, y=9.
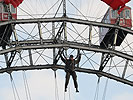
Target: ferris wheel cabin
x=4, y=12
x=6, y=30
x=107, y=35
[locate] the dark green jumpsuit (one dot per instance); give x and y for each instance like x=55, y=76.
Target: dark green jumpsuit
x=69, y=69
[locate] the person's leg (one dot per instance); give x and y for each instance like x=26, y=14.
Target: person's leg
x=74, y=76
x=67, y=80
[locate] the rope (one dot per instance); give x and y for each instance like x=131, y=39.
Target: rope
x=69, y=93
x=105, y=89
x=14, y=88
x=28, y=96
x=56, y=87
x=64, y=95
x=97, y=90
x=26, y=85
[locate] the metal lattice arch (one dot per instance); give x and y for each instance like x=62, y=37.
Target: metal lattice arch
x=36, y=41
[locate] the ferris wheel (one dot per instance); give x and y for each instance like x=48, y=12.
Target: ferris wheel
x=33, y=34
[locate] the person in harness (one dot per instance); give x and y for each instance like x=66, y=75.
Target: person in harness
x=70, y=69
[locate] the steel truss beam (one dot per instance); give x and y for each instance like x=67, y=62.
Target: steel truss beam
x=104, y=61
x=66, y=19
x=48, y=44
x=54, y=67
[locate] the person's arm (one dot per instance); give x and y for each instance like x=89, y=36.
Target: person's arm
x=64, y=60
x=78, y=59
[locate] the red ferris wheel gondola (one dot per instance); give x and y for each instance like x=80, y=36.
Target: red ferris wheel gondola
x=8, y=11
x=107, y=34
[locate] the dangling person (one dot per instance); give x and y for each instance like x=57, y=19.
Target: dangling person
x=70, y=70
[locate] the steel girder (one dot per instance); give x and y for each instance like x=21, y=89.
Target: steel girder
x=48, y=44
x=66, y=19
x=55, y=67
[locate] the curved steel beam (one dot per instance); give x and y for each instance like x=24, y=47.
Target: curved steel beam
x=73, y=45
x=67, y=19
x=55, y=67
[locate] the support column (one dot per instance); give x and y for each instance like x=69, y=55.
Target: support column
x=15, y=34
x=125, y=68
x=6, y=58
x=40, y=32
x=78, y=55
x=30, y=57
x=53, y=36
x=90, y=35
x=64, y=8
x=115, y=38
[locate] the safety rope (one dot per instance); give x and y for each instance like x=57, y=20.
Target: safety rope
x=97, y=89
x=69, y=93
x=64, y=95
x=105, y=89
x=28, y=96
x=14, y=88
x=56, y=87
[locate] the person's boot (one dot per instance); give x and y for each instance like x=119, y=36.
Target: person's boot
x=65, y=90
x=77, y=90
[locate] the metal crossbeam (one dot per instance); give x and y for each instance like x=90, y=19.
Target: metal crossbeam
x=84, y=70
x=73, y=45
x=66, y=19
